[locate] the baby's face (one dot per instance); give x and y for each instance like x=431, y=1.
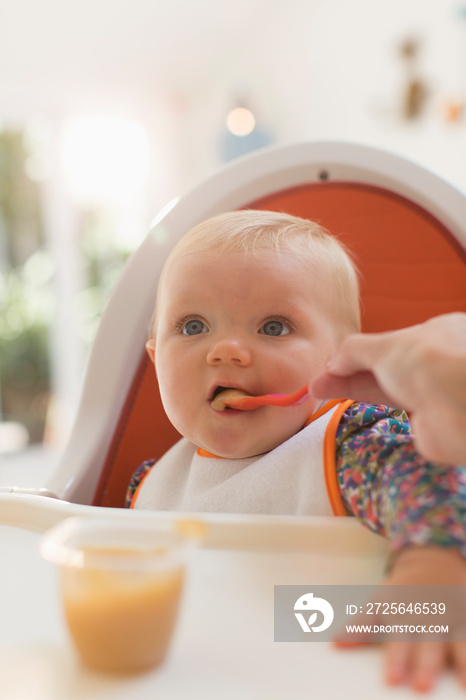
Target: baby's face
x=254, y=322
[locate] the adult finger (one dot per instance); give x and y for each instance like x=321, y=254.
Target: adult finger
x=362, y=386
x=358, y=353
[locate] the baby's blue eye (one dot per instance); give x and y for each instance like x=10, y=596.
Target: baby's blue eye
x=194, y=327
x=274, y=328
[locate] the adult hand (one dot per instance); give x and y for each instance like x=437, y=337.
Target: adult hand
x=421, y=369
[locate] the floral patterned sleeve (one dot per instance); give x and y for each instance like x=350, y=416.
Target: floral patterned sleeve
x=136, y=479
x=390, y=488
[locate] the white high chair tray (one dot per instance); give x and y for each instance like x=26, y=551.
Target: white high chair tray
x=222, y=531
x=223, y=645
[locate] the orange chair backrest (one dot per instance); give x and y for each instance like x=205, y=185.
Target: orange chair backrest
x=412, y=268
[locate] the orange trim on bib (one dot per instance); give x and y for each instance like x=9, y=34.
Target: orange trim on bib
x=330, y=467
x=203, y=453
x=323, y=409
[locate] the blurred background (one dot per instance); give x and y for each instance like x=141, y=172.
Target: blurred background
x=108, y=110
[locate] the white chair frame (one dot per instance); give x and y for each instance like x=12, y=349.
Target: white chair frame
x=130, y=307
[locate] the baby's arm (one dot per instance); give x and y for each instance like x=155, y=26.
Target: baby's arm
x=420, y=507
x=394, y=491
x=136, y=479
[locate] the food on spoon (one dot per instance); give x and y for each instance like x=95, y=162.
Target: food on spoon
x=235, y=398
x=223, y=399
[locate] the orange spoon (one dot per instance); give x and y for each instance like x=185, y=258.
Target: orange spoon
x=234, y=398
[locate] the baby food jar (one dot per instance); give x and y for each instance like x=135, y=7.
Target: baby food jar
x=121, y=583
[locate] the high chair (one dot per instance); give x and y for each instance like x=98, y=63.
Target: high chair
x=405, y=226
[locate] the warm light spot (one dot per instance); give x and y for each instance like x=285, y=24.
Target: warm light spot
x=241, y=121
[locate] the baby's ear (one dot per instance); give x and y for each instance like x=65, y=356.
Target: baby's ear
x=150, y=347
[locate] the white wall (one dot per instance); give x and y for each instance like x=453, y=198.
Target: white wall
x=313, y=69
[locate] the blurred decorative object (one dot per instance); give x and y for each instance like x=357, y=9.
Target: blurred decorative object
x=415, y=90
x=453, y=111
x=242, y=134
x=241, y=121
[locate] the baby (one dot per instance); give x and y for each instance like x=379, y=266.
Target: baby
x=258, y=301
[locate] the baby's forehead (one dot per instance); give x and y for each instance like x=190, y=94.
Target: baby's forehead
x=217, y=269
x=257, y=256
x=262, y=272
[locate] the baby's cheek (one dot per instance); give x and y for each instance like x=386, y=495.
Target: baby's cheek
x=183, y=415
x=293, y=422
x=170, y=402
x=174, y=411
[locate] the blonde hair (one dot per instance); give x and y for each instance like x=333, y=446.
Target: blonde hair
x=254, y=230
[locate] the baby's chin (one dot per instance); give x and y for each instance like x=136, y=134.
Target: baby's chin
x=243, y=452
x=242, y=440
x=247, y=454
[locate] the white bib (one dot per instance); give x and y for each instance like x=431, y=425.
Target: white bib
x=289, y=480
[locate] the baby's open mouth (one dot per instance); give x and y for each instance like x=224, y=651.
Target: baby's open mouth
x=225, y=397
x=219, y=390
x=228, y=397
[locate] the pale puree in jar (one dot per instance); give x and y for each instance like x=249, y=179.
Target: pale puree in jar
x=121, y=582
x=121, y=620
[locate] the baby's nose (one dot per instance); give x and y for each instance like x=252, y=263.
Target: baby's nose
x=229, y=351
